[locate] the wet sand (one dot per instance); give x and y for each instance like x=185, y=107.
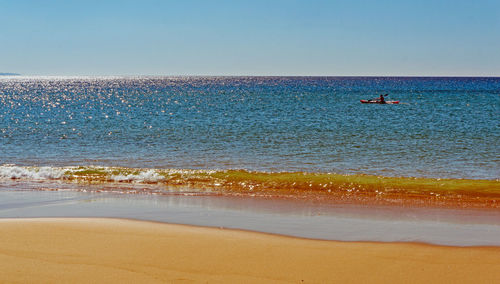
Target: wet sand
x=297, y=218
x=115, y=250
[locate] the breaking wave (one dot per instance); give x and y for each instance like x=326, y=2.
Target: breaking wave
x=343, y=188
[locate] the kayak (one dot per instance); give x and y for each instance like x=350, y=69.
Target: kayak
x=378, y=102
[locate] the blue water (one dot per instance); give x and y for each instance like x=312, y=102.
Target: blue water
x=444, y=127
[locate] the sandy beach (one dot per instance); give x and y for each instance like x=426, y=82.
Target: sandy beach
x=82, y=250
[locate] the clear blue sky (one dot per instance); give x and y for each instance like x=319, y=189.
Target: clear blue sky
x=254, y=37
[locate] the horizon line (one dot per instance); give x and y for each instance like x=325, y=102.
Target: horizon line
x=9, y=74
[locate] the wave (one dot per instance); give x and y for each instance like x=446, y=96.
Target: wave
x=356, y=188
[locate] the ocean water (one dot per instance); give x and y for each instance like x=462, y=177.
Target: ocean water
x=443, y=127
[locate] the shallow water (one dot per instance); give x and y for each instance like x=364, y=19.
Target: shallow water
x=444, y=127
x=328, y=187
x=300, y=219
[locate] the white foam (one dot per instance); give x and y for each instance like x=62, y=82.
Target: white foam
x=9, y=171
x=38, y=173
x=150, y=176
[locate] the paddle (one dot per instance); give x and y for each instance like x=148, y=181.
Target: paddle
x=378, y=98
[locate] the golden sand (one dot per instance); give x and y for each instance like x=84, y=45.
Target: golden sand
x=125, y=251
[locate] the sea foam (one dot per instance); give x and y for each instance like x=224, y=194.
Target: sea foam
x=150, y=176
x=38, y=173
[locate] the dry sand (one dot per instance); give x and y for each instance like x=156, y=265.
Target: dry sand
x=125, y=251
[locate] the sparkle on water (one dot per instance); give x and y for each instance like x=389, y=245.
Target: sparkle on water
x=444, y=128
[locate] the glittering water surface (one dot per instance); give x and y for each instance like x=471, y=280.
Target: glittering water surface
x=444, y=127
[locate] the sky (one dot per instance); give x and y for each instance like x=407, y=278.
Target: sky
x=269, y=37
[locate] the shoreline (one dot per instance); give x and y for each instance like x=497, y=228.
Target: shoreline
x=114, y=250
x=329, y=188
x=297, y=218
x=241, y=230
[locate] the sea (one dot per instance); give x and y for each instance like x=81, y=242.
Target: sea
x=106, y=137
x=442, y=127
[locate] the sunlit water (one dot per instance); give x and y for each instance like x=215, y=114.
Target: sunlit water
x=444, y=127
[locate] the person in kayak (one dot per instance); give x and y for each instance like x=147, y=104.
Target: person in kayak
x=382, y=99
